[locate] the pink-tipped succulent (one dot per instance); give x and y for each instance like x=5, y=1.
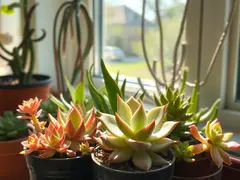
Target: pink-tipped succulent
x=31, y=145
x=30, y=110
x=215, y=142
x=134, y=134
x=69, y=134
x=79, y=128
x=54, y=140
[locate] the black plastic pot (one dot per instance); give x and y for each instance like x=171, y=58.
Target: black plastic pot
x=102, y=172
x=76, y=168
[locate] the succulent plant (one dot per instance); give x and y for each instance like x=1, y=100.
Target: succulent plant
x=105, y=98
x=182, y=152
x=215, y=142
x=48, y=107
x=79, y=127
x=11, y=127
x=184, y=109
x=30, y=110
x=134, y=134
x=68, y=134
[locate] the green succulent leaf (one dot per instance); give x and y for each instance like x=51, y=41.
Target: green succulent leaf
x=161, y=145
x=111, y=125
x=157, y=160
x=211, y=111
x=182, y=88
x=194, y=100
x=97, y=98
x=142, y=160
x=111, y=87
x=123, y=110
x=133, y=104
x=123, y=88
x=58, y=103
x=165, y=130
x=120, y=155
x=142, y=95
x=71, y=89
x=146, y=132
x=139, y=119
x=79, y=93
x=169, y=94
x=157, y=102
x=138, y=145
x=124, y=127
x=163, y=99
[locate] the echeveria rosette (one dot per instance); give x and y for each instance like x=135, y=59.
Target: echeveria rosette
x=134, y=134
x=31, y=145
x=79, y=127
x=215, y=142
x=54, y=140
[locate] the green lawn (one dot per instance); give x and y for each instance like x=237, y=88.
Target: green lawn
x=133, y=69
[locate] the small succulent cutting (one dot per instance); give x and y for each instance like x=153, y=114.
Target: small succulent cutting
x=11, y=128
x=182, y=152
x=133, y=134
x=215, y=142
x=68, y=134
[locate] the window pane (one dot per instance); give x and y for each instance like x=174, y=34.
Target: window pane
x=122, y=49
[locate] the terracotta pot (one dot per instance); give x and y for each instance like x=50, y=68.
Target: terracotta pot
x=12, y=96
x=231, y=172
x=13, y=165
x=201, y=167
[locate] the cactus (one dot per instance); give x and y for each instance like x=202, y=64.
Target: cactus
x=11, y=127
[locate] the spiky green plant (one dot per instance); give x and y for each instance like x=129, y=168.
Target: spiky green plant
x=11, y=128
x=184, y=109
x=105, y=98
x=133, y=134
x=182, y=152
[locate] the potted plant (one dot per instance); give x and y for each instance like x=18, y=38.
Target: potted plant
x=59, y=151
x=212, y=147
x=133, y=143
x=184, y=109
x=22, y=84
x=12, y=132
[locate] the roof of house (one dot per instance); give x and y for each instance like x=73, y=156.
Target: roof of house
x=125, y=16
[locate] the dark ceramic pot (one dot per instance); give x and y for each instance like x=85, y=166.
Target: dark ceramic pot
x=13, y=95
x=76, y=168
x=102, y=172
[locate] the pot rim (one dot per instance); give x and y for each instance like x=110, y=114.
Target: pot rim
x=41, y=80
x=13, y=141
x=54, y=159
x=140, y=172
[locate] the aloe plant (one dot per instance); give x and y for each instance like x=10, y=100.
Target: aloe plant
x=11, y=128
x=105, y=98
x=133, y=134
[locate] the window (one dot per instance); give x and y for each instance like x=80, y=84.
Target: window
x=9, y=34
x=122, y=49
x=222, y=80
